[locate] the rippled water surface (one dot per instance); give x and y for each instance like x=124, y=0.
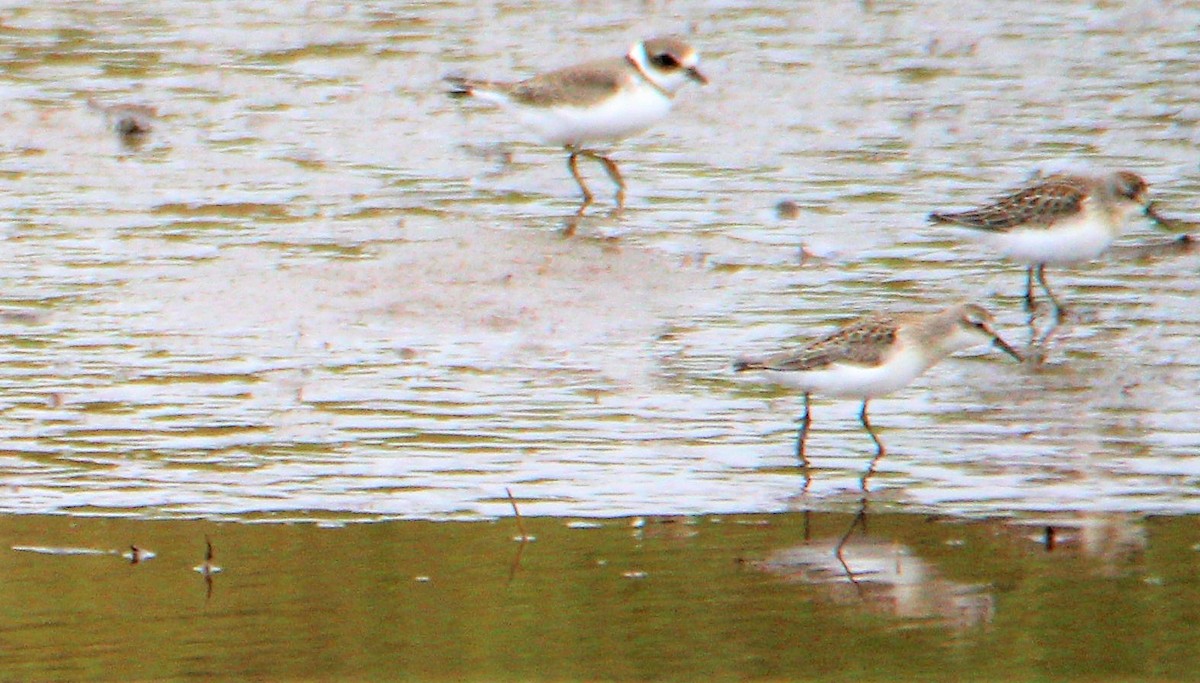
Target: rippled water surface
x=321, y=288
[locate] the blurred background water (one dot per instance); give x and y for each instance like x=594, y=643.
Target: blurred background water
x=319, y=289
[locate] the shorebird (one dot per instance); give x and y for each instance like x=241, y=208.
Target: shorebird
x=1060, y=219
x=873, y=356
x=595, y=102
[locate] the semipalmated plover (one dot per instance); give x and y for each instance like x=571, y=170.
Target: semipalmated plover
x=595, y=102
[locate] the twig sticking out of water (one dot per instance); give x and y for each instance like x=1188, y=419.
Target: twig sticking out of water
x=524, y=538
x=207, y=569
x=520, y=521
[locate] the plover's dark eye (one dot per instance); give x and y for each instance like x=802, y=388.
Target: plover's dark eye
x=665, y=60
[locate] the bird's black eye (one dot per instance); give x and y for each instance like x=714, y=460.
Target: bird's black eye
x=665, y=60
x=1131, y=186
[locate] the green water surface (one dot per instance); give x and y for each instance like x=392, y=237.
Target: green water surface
x=681, y=599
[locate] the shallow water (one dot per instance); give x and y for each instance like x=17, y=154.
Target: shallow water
x=319, y=289
x=760, y=597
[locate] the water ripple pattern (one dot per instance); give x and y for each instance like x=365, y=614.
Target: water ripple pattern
x=320, y=288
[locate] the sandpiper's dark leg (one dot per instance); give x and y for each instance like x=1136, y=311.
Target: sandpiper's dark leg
x=879, y=449
x=573, y=164
x=802, y=436
x=1059, y=313
x=860, y=520
x=801, y=439
x=1029, y=302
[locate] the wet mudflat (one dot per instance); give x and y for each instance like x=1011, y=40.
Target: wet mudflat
x=317, y=283
x=319, y=292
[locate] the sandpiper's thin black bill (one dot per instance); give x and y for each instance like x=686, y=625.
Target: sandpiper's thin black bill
x=1005, y=347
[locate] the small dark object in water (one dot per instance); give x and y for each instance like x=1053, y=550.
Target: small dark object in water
x=131, y=122
x=787, y=210
x=1183, y=244
x=129, y=126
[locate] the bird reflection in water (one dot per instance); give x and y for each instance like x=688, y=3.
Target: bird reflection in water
x=882, y=576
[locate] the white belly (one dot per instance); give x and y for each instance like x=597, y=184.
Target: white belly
x=854, y=381
x=614, y=119
x=1080, y=240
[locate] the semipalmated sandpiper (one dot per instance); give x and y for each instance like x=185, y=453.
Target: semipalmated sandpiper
x=1062, y=218
x=873, y=356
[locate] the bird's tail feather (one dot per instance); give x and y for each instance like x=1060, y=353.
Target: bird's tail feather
x=744, y=364
x=461, y=86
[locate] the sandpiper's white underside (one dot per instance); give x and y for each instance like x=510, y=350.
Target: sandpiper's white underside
x=630, y=110
x=847, y=380
x=1083, y=238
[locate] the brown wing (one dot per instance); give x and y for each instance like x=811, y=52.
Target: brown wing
x=863, y=342
x=1040, y=205
x=576, y=85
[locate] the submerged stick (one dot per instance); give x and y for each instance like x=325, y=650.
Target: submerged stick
x=520, y=521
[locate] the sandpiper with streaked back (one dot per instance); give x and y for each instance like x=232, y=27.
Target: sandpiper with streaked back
x=1062, y=218
x=873, y=356
x=595, y=102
